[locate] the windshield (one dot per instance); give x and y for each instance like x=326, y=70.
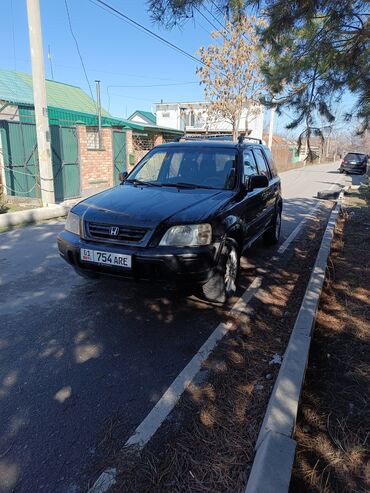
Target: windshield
x=193, y=168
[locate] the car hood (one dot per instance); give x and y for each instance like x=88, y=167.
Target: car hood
x=149, y=206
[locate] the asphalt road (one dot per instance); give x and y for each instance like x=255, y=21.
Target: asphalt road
x=78, y=355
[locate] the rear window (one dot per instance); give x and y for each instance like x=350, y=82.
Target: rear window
x=355, y=157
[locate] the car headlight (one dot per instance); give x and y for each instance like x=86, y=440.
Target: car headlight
x=73, y=223
x=188, y=235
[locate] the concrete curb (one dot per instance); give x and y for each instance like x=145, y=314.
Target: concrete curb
x=272, y=466
x=10, y=219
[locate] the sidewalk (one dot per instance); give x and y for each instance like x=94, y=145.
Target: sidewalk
x=10, y=219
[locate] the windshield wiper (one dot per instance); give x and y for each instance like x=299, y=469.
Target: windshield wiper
x=182, y=184
x=139, y=182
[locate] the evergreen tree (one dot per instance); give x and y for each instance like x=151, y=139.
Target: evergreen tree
x=319, y=49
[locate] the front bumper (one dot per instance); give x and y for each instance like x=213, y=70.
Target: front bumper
x=184, y=265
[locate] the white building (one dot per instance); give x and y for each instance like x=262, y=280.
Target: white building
x=193, y=118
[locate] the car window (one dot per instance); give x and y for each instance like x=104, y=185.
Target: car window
x=354, y=157
x=211, y=168
x=271, y=161
x=261, y=163
x=250, y=167
x=152, y=167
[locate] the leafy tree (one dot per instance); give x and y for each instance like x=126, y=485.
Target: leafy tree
x=231, y=72
x=319, y=50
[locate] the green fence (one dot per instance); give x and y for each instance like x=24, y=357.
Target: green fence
x=19, y=153
x=119, y=154
x=66, y=169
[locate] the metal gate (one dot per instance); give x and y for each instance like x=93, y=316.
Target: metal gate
x=66, y=168
x=119, y=154
x=20, y=160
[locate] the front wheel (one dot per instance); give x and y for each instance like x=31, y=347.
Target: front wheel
x=222, y=284
x=272, y=235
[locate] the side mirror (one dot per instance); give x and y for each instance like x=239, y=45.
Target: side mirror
x=122, y=176
x=257, y=181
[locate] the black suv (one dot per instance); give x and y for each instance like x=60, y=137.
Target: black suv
x=354, y=162
x=185, y=213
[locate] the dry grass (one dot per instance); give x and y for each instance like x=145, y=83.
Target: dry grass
x=207, y=443
x=333, y=453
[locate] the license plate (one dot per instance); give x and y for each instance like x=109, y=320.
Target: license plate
x=106, y=258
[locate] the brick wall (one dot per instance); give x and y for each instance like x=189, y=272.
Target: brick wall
x=96, y=165
x=135, y=152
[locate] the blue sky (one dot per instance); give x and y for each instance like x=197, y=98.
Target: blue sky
x=113, y=51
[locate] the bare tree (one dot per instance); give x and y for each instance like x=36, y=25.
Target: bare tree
x=231, y=73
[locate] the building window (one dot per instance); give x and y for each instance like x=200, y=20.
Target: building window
x=92, y=139
x=166, y=114
x=190, y=119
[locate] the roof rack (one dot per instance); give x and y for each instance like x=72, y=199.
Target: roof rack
x=222, y=137
x=242, y=138
x=207, y=137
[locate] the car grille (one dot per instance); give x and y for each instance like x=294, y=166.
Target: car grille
x=126, y=234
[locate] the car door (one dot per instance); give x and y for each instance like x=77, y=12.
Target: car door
x=253, y=201
x=267, y=194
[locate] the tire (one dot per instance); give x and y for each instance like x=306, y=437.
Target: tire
x=272, y=235
x=222, y=284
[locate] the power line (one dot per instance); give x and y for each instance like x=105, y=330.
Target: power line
x=159, y=85
x=218, y=8
x=212, y=15
x=78, y=50
x=137, y=25
x=206, y=18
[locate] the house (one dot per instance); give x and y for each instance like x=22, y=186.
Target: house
x=84, y=159
x=193, y=118
x=143, y=117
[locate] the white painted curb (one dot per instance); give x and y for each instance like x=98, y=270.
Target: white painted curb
x=10, y=219
x=275, y=448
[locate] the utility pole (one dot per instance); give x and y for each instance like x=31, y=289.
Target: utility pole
x=271, y=126
x=40, y=103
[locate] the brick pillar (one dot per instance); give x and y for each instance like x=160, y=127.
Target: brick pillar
x=130, y=150
x=96, y=165
x=158, y=139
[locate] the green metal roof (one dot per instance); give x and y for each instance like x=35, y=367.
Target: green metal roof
x=65, y=96
x=16, y=87
x=67, y=104
x=146, y=114
x=13, y=88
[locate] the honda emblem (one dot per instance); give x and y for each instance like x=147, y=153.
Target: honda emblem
x=114, y=230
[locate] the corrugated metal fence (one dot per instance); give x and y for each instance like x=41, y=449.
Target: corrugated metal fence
x=19, y=160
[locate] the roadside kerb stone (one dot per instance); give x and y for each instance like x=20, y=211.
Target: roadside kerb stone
x=274, y=459
x=271, y=473
x=330, y=194
x=10, y=219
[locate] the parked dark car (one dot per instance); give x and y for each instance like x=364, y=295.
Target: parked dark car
x=354, y=162
x=186, y=213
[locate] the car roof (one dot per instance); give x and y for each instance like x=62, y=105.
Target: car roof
x=359, y=153
x=210, y=144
